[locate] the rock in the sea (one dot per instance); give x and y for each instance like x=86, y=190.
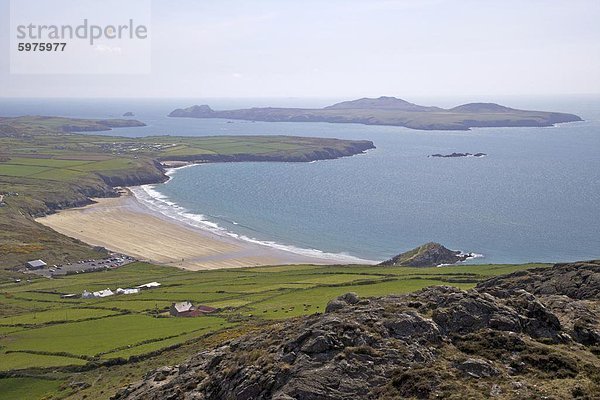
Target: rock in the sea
x=454, y=155
x=129, y=114
x=428, y=255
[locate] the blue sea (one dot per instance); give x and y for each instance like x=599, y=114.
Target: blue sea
x=534, y=197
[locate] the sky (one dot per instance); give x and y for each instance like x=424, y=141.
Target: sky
x=343, y=48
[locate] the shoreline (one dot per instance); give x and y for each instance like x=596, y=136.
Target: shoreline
x=125, y=225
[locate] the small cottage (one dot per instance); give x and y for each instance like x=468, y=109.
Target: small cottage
x=187, y=309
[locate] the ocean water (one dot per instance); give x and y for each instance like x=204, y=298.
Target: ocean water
x=534, y=197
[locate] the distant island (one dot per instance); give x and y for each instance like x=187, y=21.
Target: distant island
x=394, y=112
x=454, y=155
x=129, y=114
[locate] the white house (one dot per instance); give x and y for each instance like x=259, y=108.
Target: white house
x=104, y=293
x=127, y=291
x=96, y=295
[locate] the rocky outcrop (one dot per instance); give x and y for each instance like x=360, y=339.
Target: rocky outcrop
x=569, y=291
x=579, y=281
x=428, y=255
x=440, y=342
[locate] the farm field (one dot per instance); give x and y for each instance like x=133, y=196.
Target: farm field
x=40, y=333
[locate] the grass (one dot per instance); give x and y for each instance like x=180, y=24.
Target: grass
x=93, y=337
x=55, y=315
x=27, y=388
x=18, y=361
x=16, y=170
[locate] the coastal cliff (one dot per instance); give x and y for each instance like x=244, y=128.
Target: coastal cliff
x=392, y=111
x=536, y=336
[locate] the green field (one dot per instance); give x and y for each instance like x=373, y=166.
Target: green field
x=27, y=388
x=46, y=330
x=65, y=340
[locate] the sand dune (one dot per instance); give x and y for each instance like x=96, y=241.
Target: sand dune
x=124, y=225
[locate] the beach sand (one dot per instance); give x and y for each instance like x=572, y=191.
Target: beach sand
x=126, y=226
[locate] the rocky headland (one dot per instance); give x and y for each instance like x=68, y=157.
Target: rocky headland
x=428, y=255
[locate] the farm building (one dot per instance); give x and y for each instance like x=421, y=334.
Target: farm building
x=127, y=291
x=35, y=264
x=150, y=285
x=187, y=309
x=96, y=295
x=104, y=293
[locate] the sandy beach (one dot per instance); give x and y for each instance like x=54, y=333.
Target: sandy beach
x=126, y=226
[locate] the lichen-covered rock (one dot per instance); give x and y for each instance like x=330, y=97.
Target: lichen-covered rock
x=477, y=368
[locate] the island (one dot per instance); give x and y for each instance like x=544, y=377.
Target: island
x=428, y=255
x=129, y=114
x=394, y=112
x=454, y=155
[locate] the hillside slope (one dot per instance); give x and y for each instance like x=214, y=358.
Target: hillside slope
x=497, y=340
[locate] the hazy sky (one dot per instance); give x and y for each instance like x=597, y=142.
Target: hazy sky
x=347, y=48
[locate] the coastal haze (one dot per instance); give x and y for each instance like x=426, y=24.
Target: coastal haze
x=343, y=48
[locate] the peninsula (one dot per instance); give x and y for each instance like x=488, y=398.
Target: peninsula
x=394, y=112
x=46, y=166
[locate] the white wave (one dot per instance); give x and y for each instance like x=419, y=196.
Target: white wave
x=158, y=202
x=475, y=255
x=172, y=170
x=470, y=256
